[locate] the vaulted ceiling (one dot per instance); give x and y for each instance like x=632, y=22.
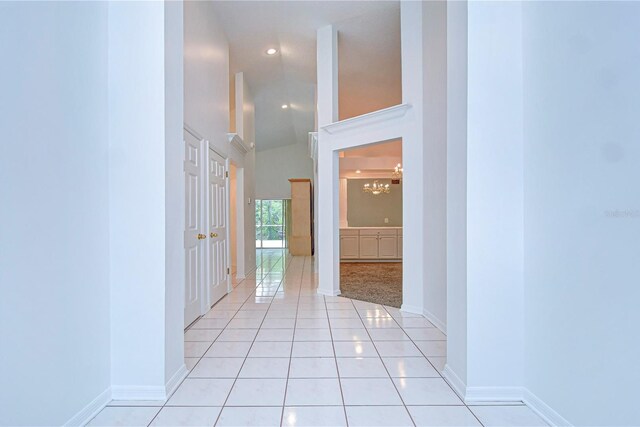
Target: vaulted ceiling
x=369, y=55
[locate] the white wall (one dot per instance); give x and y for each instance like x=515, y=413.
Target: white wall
x=146, y=280
x=494, y=197
x=206, y=75
x=206, y=101
x=274, y=167
x=581, y=154
x=434, y=173
x=457, y=188
x=54, y=229
x=174, y=187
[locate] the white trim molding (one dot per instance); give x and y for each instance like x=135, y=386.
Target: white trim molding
x=366, y=120
x=313, y=145
x=503, y=395
x=493, y=395
x=454, y=381
x=329, y=293
x=152, y=393
x=544, y=411
x=435, y=320
x=87, y=413
x=411, y=309
x=193, y=132
x=237, y=143
x=175, y=380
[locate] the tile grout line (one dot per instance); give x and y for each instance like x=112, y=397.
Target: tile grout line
x=335, y=360
x=383, y=364
x=286, y=387
x=429, y=362
x=224, y=404
x=164, y=404
x=263, y=294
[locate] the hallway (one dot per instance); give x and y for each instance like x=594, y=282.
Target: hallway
x=274, y=352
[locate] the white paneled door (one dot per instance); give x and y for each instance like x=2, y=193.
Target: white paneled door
x=217, y=228
x=194, y=228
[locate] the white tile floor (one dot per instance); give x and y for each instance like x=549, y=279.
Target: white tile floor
x=273, y=352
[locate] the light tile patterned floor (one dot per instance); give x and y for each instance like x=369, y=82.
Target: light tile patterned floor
x=274, y=352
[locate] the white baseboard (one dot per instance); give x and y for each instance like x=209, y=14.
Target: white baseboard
x=414, y=309
x=454, y=381
x=486, y=395
x=87, y=413
x=330, y=293
x=435, y=320
x=151, y=393
x=175, y=380
x=543, y=410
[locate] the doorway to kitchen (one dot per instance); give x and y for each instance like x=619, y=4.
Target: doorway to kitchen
x=371, y=238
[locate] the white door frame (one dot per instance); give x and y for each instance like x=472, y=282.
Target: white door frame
x=380, y=126
x=240, y=216
x=227, y=213
x=404, y=121
x=240, y=149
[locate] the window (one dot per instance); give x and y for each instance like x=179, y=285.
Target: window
x=270, y=224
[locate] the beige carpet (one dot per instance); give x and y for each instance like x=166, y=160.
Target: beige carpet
x=378, y=282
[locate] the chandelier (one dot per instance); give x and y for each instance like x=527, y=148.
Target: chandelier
x=397, y=172
x=376, y=188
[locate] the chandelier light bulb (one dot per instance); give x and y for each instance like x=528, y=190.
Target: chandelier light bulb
x=376, y=188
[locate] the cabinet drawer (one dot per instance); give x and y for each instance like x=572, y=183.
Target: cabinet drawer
x=348, y=232
x=388, y=231
x=378, y=231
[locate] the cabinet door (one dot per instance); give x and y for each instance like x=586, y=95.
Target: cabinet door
x=348, y=247
x=388, y=247
x=400, y=246
x=368, y=247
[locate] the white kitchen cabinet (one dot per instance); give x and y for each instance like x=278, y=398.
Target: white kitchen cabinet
x=368, y=246
x=349, y=246
x=370, y=243
x=388, y=246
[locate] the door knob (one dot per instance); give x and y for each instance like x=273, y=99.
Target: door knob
x=214, y=235
x=202, y=236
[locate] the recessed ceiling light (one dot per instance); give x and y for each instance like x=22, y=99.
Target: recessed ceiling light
x=358, y=171
x=272, y=51
x=285, y=106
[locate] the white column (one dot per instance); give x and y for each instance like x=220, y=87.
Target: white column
x=239, y=103
x=456, y=368
x=328, y=202
x=327, y=75
x=495, y=198
x=146, y=199
x=434, y=21
x=343, y=203
x=412, y=157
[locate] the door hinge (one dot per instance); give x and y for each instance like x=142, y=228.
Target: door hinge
x=226, y=174
x=228, y=270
